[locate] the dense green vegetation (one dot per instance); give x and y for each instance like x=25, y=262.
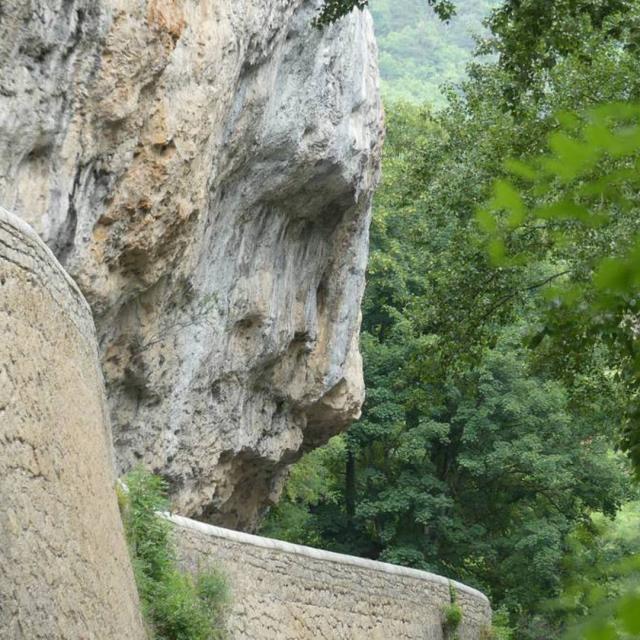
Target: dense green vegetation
x=422, y=45
x=474, y=464
x=419, y=54
x=500, y=333
x=176, y=605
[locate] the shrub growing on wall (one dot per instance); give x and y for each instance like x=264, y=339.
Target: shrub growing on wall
x=451, y=616
x=176, y=605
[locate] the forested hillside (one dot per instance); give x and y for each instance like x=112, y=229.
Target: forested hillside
x=418, y=52
x=500, y=330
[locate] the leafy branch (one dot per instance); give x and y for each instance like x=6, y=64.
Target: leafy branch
x=333, y=10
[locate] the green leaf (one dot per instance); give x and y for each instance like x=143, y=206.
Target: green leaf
x=497, y=252
x=486, y=221
x=601, y=631
x=521, y=169
x=629, y=613
x=566, y=210
x=505, y=196
x=611, y=274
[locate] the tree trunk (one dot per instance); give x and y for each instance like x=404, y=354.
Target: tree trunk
x=350, y=486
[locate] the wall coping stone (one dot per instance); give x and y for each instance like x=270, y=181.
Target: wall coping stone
x=10, y=219
x=319, y=554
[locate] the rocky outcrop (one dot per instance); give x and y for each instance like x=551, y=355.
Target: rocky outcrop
x=64, y=566
x=204, y=171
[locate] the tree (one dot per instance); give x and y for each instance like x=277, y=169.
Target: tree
x=584, y=190
x=532, y=36
x=580, y=208
x=333, y=10
x=419, y=54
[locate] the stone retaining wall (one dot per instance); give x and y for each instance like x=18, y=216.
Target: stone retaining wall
x=283, y=591
x=64, y=567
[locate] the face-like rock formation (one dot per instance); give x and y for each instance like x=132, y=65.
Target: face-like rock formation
x=204, y=171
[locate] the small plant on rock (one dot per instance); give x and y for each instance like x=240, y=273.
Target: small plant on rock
x=451, y=615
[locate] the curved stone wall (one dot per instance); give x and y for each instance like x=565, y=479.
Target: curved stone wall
x=64, y=566
x=283, y=591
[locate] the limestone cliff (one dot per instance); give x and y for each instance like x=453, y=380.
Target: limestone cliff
x=203, y=169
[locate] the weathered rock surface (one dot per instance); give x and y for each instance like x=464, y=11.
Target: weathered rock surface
x=64, y=566
x=204, y=171
x=283, y=591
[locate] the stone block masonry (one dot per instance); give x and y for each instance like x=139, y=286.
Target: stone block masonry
x=64, y=567
x=283, y=591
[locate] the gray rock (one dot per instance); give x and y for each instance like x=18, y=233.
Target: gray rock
x=204, y=171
